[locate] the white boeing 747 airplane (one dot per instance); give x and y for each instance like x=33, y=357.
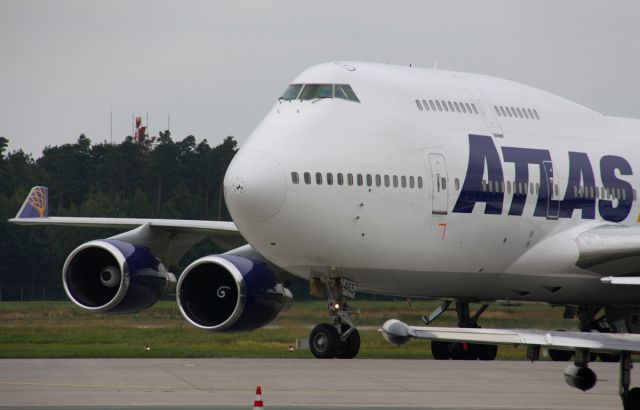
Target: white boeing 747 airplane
x=403, y=181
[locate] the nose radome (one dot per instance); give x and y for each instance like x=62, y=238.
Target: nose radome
x=254, y=187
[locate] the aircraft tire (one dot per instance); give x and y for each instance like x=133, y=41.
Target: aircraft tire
x=560, y=355
x=324, y=341
x=464, y=351
x=350, y=347
x=632, y=401
x=487, y=352
x=440, y=350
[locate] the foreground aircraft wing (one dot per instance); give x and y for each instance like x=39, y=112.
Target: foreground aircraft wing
x=168, y=238
x=398, y=333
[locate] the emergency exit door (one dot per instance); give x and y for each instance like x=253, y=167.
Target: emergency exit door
x=439, y=184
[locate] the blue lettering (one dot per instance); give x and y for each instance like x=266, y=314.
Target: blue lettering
x=481, y=151
x=608, y=166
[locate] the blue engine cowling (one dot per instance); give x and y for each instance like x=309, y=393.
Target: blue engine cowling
x=114, y=276
x=230, y=293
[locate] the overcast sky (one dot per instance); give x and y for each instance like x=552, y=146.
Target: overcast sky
x=218, y=66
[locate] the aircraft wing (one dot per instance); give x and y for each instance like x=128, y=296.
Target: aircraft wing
x=169, y=239
x=397, y=332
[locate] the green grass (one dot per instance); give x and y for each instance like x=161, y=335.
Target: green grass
x=62, y=330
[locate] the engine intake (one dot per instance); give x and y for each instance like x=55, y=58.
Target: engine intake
x=114, y=276
x=230, y=293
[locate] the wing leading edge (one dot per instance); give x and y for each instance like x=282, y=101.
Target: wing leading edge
x=167, y=238
x=397, y=332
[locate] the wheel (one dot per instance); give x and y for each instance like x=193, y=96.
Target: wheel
x=350, y=347
x=560, y=355
x=609, y=357
x=440, y=350
x=487, y=352
x=464, y=351
x=324, y=341
x=632, y=401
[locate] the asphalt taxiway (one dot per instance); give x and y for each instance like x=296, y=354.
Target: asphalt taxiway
x=299, y=383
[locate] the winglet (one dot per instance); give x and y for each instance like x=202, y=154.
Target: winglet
x=36, y=205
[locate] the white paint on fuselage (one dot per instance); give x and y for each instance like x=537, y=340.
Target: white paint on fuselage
x=319, y=229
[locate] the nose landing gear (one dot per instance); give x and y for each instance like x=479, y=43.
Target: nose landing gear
x=341, y=339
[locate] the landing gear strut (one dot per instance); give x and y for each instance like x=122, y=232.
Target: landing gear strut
x=340, y=339
x=460, y=351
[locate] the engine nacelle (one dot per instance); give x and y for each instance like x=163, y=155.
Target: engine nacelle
x=580, y=377
x=230, y=293
x=114, y=276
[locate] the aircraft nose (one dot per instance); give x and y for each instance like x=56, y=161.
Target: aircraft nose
x=254, y=187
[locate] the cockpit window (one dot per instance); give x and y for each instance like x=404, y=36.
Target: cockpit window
x=346, y=89
x=316, y=91
x=292, y=91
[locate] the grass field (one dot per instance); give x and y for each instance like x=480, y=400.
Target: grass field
x=62, y=330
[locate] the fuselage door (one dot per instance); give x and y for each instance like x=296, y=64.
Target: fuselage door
x=553, y=205
x=439, y=184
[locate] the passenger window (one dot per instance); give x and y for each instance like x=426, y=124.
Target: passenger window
x=395, y=181
x=439, y=106
x=508, y=112
x=457, y=106
x=501, y=186
x=444, y=104
x=525, y=113
x=531, y=188
x=329, y=178
x=457, y=184
x=387, y=181
x=537, y=188
x=484, y=186
x=378, y=180
x=433, y=106
x=519, y=112
x=340, y=179
x=468, y=107
x=464, y=110
x=450, y=106
x=444, y=183
x=307, y=178
x=475, y=111
x=318, y=178
x=350, y=179
x=508, y=187
x=504, y=114
x=530, y=113
x=294, y=178
x=419, y=182
x=426, y=106
x=369, y=180
x=412, y=182
x=291, y=93
x=404, y=181
x=419, y=105
x=360, y=180
x=556, y=189
x=497, y=110
x=624, y=194
x=535, y=113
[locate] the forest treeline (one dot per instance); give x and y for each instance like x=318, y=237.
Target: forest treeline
x=166, y=179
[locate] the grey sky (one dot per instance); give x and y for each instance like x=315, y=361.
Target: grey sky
x=218, y=66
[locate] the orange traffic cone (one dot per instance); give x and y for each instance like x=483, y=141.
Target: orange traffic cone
x=257, y=403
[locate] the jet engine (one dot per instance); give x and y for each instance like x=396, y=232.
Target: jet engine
x=230, y=293
x=580, y=377
x=114, y=276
